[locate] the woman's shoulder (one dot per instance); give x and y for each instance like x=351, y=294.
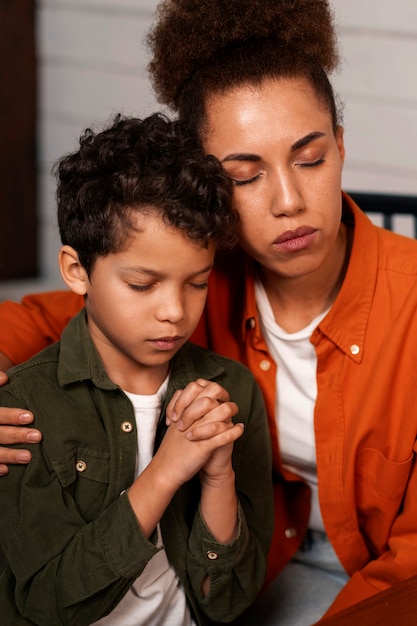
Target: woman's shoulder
x=397, y=253
x=391, y=251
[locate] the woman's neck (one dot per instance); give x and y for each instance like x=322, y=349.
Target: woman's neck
x=296, y=301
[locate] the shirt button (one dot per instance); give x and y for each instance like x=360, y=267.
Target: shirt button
x=252, y=322
x=212, y=555
x=81, y=466
x=290, y=533
x=355, y=349
x=265, y=366
x=126, y=427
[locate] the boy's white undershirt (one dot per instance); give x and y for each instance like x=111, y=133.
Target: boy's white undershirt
x=156, y=598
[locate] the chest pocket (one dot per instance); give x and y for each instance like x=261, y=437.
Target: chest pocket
x=380, y=487
x=84, y=475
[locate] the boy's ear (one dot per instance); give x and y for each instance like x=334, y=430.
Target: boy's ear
x=72, y=272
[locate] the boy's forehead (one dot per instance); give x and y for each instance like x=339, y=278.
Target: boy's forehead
x=153, y=222
x=154, y=242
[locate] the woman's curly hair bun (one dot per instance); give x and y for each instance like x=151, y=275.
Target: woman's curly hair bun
x=188, y=33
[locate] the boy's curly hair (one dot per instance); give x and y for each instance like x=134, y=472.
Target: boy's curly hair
x=140, y=165
x=188, y=34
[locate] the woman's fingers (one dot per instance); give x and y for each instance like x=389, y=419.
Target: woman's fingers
x=14, y=431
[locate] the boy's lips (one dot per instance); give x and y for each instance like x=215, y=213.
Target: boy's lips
x=167, y=343
x=295, y=240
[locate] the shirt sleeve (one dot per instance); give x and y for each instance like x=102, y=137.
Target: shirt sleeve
x=237, y=570
x=75, y=572
x=28, y=326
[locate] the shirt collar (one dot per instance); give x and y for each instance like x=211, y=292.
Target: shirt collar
x=79, y=360
x=78, y=357
x=346, y=322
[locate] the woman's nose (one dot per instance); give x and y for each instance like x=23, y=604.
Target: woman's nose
x=286, y=197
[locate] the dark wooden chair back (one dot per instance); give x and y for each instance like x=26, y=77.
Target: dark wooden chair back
x=387, y=205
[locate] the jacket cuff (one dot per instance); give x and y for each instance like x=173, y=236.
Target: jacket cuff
x=211, y=555
x=124, y=547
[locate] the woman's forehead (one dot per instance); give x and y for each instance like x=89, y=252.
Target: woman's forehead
x=282, y=108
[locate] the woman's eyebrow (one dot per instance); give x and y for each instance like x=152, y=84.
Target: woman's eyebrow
x=304, y=141
x=300, y=143
x=241, y=156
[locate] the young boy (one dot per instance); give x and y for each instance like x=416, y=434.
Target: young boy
x=149, y=499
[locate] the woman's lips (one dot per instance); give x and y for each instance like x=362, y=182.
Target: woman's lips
x=295, y=240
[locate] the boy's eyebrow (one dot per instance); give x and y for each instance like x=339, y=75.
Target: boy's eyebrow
x=300, y=143
x=204, y=270
x=151, y=272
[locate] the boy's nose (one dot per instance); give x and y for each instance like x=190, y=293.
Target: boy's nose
x=171, y=309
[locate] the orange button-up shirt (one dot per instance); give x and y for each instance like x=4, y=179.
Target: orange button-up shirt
x=366, y=409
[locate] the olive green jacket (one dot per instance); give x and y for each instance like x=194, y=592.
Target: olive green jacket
x=72, y=541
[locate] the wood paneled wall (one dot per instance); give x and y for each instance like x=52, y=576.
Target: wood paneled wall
x=18, y=175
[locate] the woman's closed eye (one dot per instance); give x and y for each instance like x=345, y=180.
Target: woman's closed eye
x=246, y=181
x=311, y=163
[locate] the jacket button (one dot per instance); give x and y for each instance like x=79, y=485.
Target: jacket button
x=252, y=322
x=126, y=427
x=290, y=533
x=265, y=366
x=212, y=555
x=354, y=349
x=81, y=466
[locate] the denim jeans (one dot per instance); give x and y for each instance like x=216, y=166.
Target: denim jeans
x=304, y=590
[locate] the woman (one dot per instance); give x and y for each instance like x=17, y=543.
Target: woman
x=318, y=302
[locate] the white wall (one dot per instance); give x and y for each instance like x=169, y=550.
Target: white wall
x=378, y=84
x=92, y=64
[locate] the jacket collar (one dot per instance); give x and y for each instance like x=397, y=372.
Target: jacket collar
x=78, y=357
x=79, y=360
x=346, y=322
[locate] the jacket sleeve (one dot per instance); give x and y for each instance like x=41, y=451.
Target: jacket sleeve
x=237, y=570
x=37, y=321
x=75, y=572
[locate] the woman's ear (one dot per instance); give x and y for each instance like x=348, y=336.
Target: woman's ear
x=73, y=273
x=340, y=142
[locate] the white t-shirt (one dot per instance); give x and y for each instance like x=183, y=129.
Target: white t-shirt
x=296, y=396
x=157, y=597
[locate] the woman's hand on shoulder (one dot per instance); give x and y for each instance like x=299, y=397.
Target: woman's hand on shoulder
x=14, y=430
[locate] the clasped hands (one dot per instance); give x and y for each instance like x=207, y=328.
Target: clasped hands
x=200, y=432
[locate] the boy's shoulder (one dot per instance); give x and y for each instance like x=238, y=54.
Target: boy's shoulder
x=47, y=356
x=27, y=378
x=197, y=362
x=203, y=357
x=73, y=339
